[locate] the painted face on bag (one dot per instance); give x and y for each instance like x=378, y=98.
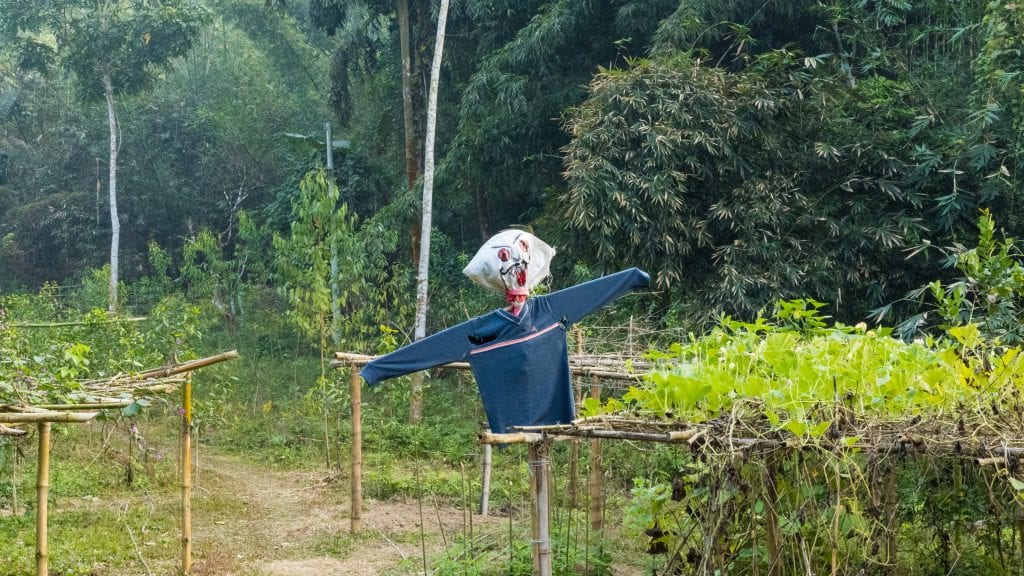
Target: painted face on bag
x=514, y=264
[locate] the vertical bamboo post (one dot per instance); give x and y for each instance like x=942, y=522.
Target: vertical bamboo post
x=773, y=541
x=42, y=497
x=891, y=525
x=485, y=489
x=356, y=518
x=596, y=472
x=539, y=495
x=1020, y=538
x=574, y=449
x=14, y=480
x=186, y=477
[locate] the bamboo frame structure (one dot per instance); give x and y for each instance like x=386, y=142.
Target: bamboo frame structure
x=736, y=438
x=159, y=380
x=538, y=440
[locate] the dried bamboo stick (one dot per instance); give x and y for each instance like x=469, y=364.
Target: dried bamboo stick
x=5, y=431
x=773, y=540
x=977, y=448
x=510, y=438
x=188, y=366
x=165, y=371
x=668, y=437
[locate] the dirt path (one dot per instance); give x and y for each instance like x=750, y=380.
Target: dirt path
x=254, y=521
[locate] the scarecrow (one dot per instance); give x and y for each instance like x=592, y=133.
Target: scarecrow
x=518, y=353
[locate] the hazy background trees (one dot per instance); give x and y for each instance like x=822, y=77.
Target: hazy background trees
x=740, y=151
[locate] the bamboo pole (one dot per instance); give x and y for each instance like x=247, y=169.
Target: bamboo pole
x=46, y=416
x=163, y=373
x=186, y=366
x=773, y=540
x=186, y=479
x=5, y=431
x=87, y=405
x=357, y=452
x=485, y=489
x=579, y=366
x=891, y=522
x=596, y=473
x=672, y=436
x=79, y=323
x=42, y=498
x=14, y=480
x=510, y=438
x=540, y=474
x=574, y=448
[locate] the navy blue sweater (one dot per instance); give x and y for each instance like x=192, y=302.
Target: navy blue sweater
x=520, y=362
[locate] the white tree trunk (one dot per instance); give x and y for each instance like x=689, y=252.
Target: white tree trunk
x=423, y=273
x=115, y=223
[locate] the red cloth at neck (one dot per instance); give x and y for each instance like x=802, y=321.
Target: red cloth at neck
x=516, y=298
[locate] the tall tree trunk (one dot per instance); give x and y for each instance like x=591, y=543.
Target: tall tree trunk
x=411, y=173
x=335, y=257
x=411, y=164
x=115, y=223
x=423, y=274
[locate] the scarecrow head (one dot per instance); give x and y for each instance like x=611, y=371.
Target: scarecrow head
x=511, y=261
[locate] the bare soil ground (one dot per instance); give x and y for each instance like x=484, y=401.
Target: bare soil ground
x=255, y=521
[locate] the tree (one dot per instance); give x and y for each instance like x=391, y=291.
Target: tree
x=423, y=274
x=115, y=49
x=322, y=233
x=737, y=189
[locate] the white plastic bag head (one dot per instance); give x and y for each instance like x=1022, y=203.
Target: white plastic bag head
x=511, y=261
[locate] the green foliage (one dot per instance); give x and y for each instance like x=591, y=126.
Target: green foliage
x=721, y=185
x=320, y=256
x=492, y=554
x=45, y=363
x=988, y=294
x=791, y=368
x=985, y=296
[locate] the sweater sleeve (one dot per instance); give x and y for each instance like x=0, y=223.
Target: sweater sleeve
x=441, y=348
x=577, y=301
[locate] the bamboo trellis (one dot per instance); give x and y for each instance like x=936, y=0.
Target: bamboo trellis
x=723, y=437
x=100, y=394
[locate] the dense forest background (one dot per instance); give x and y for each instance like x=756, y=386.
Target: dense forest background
x=740, y=151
